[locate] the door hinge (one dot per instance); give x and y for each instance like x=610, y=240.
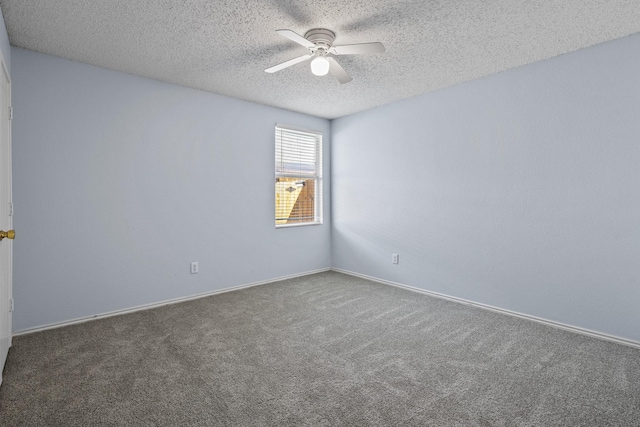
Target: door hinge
x=10, y=209
x=10, y=113
x=11, y=304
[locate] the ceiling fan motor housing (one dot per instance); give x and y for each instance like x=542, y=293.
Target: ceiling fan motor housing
x=321, y=37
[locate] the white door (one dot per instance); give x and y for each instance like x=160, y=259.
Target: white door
x=6, y=210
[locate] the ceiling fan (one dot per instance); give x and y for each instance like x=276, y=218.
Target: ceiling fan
x=319, y=41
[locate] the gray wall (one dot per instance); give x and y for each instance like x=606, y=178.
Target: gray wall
x=520, y=190
x=121, y=181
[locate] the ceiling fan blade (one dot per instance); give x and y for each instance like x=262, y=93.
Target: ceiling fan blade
x=356, y=49
x=288, y=63
x=296, y=38
x=338, y=72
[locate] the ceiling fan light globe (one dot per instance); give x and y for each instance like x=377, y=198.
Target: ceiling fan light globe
x=320, y=66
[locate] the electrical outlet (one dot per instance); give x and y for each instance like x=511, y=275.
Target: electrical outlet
x=395, y=258
x=194, y=267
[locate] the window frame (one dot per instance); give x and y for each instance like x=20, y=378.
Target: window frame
x=316, y=176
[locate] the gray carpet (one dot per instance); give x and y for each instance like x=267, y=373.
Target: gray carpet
x=326, y=349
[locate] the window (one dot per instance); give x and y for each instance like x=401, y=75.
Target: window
x=298, y=177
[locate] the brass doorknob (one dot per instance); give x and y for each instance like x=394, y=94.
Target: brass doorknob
x=10, y=234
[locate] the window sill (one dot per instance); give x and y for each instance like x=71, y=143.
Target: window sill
x=304, y=224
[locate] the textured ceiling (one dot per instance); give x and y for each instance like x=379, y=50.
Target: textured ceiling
x=223, y=46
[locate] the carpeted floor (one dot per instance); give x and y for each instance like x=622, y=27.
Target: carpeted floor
x=326, y=349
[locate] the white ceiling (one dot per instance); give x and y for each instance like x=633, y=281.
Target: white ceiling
x=223, y=46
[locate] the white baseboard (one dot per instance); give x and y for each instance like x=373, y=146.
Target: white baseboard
x=575, y=329
x=159, y=304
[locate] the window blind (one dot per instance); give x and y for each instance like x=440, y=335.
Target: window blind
x=298, y=167
x=297, y=152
